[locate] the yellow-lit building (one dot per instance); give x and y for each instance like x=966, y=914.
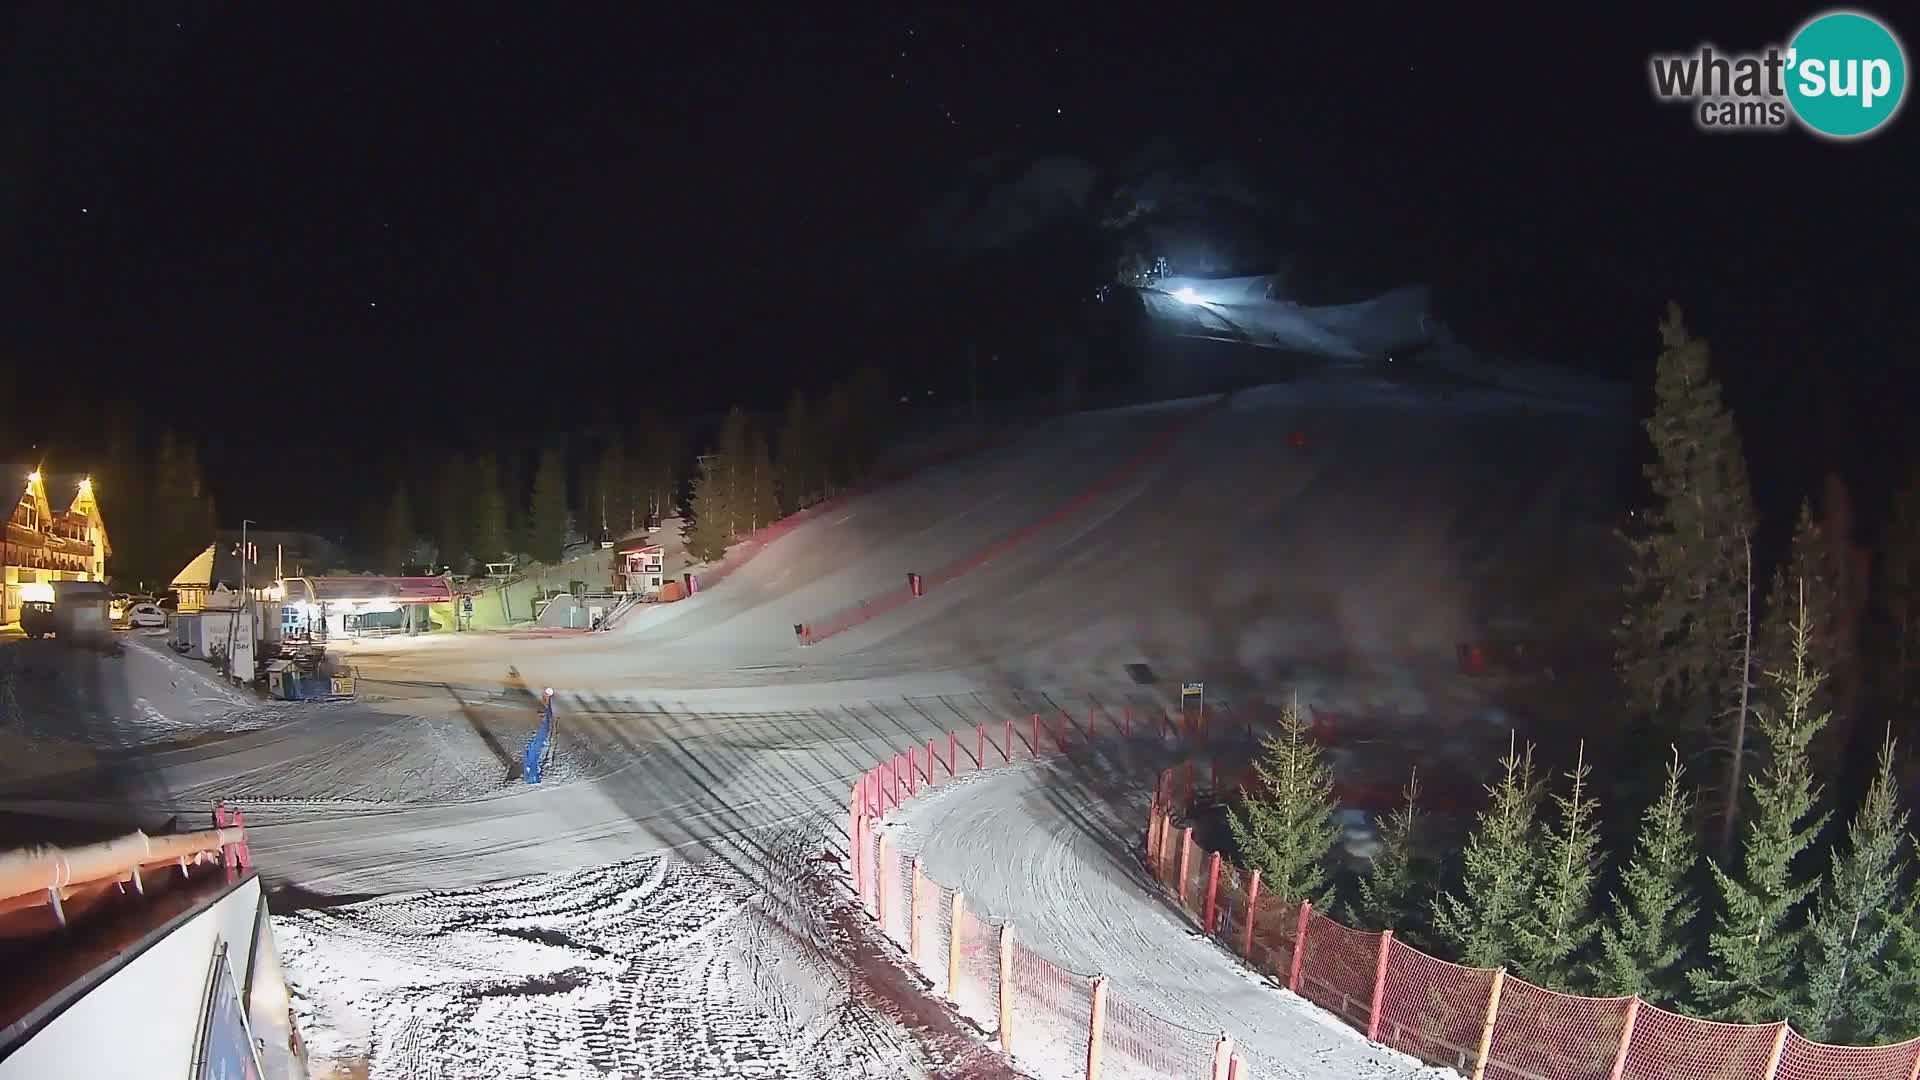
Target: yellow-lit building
x=44, y=545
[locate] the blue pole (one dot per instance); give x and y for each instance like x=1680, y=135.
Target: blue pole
x=537, y=747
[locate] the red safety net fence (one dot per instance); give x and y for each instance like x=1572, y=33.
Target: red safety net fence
x=1051, y=1017
x=1480, y=1021
x=1140, y=1044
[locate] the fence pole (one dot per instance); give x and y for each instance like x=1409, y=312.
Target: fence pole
x=913, y=914
x=1097, y=1027
x=1237, y=1068
x=853, y=838
x=953, y=946
x=1223, y=1058
x=1213, y=891
x=1186, y=855
x=1626, y=1039
x=913, y=771
x=1779, y=1047
x=1379, y=986
x=1299, y=945
x=931, y=758
x=1006, y=743
x=1486, y=1028
x=880, y=886
x=953, y=753
x=1036, y=735
x=1253, y=901
x=1153, y=839
x=1006, y=988
x=980, y=751
x=1915, y=1074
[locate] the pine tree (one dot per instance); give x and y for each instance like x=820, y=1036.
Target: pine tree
x=706, y=534
x=733, y=461
x=1389, y=891
x=762, y=488
x=1675, y=644
x=1754, y=951
x=1888, y=1005
x=1286, y=828
x=1805, y=573
x=1645, y=939
x=1498, y=871
x=656, y=470
x=616, y=498
x=799, y=456
x=397, y=533
x=547, y=514
x=1848, y=928
x=1549, y=935
x=488, y=525
x=841, y=441
x=453, y=517
x=1900, y=596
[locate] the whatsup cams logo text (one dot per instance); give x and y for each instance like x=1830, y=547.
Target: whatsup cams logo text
x=1842, y=75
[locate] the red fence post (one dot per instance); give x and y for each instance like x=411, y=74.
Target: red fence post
x=1779, y=1048
x=1036, y=735
x=1253, y=900
x=1213, y=892
x=1379, y=986
x=980, y=751
x=880, y=887
x=913, y=914
x=1186, y=854
x=1006, y=743
x=1626, y=1040
x=953, y=753
x=1299, y=945
x=931, y=758
x=1097, y=1027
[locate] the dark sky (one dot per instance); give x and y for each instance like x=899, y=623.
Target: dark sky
x=475, y=216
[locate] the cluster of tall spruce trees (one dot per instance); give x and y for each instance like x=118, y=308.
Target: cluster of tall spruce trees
x=484, y=510
x=1740, y=900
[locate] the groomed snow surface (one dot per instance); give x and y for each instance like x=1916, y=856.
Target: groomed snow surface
x=1053, y=846
x=650, y=920
x=653, y=967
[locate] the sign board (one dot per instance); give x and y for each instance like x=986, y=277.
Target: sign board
x=466, y=606
x=226, y=1045
x=343, y=685
x=1191, y=689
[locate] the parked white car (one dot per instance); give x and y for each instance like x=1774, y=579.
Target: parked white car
x=146, y=615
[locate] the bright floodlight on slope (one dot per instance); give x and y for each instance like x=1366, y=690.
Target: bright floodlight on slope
x=1186, y=295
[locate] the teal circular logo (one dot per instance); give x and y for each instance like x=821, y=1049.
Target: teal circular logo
x=1846, y=74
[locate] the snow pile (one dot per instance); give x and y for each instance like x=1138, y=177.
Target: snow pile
x=653, y=967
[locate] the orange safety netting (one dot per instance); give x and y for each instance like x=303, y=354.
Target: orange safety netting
x=1432, y=1009
x=1053, y=1003
x=1668, y=1046
x=1275, y=922
x=1804, y=1060
x=1140, y=1044
x=1540, y=1034
x=978, y=994
x=1337, y=973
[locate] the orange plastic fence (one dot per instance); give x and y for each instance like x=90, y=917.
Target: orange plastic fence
x=1450, y=1015
x=1052, y=1015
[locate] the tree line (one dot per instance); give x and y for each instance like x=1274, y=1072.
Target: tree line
x=1740, y=899
x=487, y=508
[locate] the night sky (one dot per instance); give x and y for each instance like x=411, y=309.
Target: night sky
x=442, y=226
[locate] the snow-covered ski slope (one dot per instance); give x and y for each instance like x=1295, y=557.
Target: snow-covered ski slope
x=1052, y=845
x=1337, y=533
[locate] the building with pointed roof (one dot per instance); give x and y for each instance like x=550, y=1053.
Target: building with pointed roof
x=47, y=541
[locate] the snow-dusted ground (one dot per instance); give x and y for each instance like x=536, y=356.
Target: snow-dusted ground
x=1052, y=846
x=654, y=967
x=1346, y=569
